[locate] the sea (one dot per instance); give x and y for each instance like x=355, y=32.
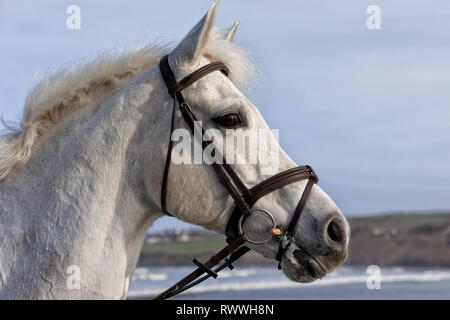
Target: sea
x=268, y=283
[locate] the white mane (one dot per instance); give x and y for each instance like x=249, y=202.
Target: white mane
x=61, y=93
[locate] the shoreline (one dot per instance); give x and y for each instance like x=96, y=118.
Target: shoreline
x=268, y=283
x=413, y=240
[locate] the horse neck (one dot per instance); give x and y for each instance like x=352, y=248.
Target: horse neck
x=82, y=201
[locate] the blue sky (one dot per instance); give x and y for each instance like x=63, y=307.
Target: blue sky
x=368, y=109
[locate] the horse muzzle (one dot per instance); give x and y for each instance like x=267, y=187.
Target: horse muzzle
x=306, y=264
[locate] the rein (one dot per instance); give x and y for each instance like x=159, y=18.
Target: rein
x=243, y=197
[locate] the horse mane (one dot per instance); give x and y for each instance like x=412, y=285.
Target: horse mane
x=72, y=88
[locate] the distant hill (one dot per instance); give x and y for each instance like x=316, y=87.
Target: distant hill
x=401, y=239
x=416, y=239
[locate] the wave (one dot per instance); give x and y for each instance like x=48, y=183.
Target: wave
x=149, y=276
x=237, y=273
x=428, y=276
x=142, y=274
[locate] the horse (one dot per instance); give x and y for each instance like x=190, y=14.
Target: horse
x=80, y=180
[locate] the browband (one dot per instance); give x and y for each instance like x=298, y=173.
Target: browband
x=174, y=87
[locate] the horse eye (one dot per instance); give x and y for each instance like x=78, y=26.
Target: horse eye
x=229, y=120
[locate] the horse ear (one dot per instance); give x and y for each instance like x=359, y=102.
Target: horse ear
x=193, y=43
x=232, y=32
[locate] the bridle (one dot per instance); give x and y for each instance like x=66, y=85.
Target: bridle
x=243, y=197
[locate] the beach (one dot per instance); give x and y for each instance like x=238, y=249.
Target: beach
x=268, y=283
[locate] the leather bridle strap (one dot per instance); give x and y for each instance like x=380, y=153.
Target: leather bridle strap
x=186, y=282
x=243, y=197
x=289, y=233
x=194, y=76
x=223, y=171
x=235, y=249
x=269, y=185
x=234, y=256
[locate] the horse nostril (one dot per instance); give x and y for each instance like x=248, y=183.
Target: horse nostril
x=335, y=231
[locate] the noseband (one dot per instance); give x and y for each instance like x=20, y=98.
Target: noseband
x=243, y=197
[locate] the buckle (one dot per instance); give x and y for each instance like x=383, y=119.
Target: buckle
x=314, y=176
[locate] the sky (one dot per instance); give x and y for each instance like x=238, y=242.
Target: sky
x=368, y=109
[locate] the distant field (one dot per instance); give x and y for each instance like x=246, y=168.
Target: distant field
x=418, y=239
x=210, y=243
